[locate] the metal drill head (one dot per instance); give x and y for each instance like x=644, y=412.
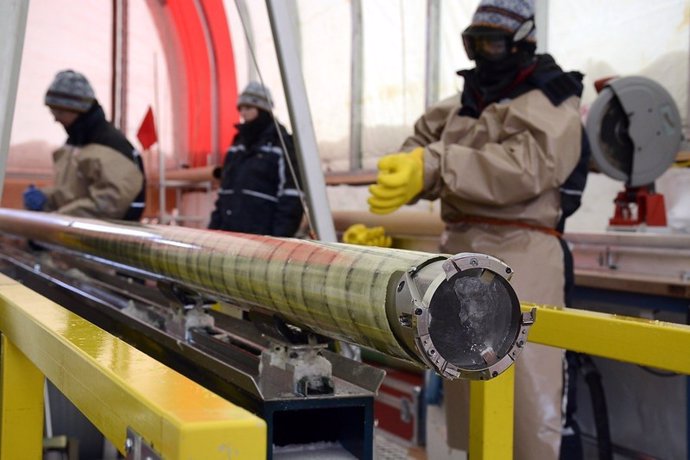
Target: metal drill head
x=474, y=319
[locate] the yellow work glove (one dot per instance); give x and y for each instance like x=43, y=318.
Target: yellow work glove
x=400, y=178
x=360, y=234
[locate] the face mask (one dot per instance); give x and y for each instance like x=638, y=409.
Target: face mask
x=492, y=72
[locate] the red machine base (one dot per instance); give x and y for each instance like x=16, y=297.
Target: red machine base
x=651, y=209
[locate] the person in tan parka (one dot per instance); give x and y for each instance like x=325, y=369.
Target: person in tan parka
x=97, y=173
x=505, y=161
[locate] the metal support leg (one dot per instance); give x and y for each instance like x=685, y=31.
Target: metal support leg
x=21, y=405
x=491, y=417
x=284, y=34
x=48, y=416
x=13, y=16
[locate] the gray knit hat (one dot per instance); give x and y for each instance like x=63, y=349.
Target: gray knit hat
x=256, y=95
x=70, y=90
x=506, y=15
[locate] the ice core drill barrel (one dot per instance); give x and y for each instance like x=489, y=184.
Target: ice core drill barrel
x=455, y=314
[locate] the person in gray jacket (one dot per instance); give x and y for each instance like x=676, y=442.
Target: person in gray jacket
x=97, y=173
x=504, y=159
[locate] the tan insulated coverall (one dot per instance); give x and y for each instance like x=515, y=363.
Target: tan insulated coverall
x=92, y=181
x=508, y=164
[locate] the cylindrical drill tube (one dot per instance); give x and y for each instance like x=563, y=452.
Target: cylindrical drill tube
x=346, y=292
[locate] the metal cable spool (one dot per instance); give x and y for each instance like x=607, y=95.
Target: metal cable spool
x=634, y=129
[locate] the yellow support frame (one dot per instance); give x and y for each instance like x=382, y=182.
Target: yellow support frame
x=21, y=406
x=634, y=340
x=117, y=387
x=113, y=384
x=491, y=411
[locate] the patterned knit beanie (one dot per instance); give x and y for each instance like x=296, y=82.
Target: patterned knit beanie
x=256, y=95
x=506, y=15
x=70, y=90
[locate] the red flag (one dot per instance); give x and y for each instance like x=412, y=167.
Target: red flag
x=147, y=131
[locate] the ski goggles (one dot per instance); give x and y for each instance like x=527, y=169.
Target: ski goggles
x=493, y=44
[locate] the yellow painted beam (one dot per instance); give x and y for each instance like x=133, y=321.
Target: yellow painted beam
x=623, y=338
x=21, y=405
x=118, y=387
x=491, y=417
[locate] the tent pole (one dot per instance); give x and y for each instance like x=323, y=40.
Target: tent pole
x=12, y=28
x=300, y=116
x=433, y=47
x=356, y=86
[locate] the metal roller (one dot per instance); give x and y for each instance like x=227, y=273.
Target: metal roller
x=455, y=314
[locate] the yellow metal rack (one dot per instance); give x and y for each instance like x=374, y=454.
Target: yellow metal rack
x=117, y=387
x=634, y=340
